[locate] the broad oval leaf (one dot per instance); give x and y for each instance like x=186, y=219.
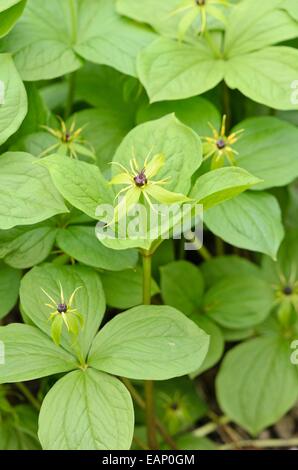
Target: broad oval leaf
x=268, y=149
x=105, y=37
x=124, y=289
x=149, y=342
x=93, y=411
x=216, y=347
x=220, y=185
x=26, y=246
x=172, y=70
x=89, y=300
x=51, y=39
x=10, y=15
x=13, y=98
x=81, y=243
x=266, y=76
x=194, y=112
x=9, y=288
x=27, y=195
x=182, y=286
x=257, y=384
x=253, y=25
x=239, y=303
x=251, y=221
x=29, y=354
x=219, y=267
x=80, y=183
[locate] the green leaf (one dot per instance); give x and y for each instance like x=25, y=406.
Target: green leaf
x=50, y=40
x=24, y=247
x=81, y=244
x=19, y=429
x=149, y=342
x=10, y=15
x=106, y=38
x=29, y=354
x=93, y=411
x=41, y=42
x=285, y=267
x=182, y=286
x=89, y=300
x=218, y=268
x=220, y=185
x=114, y=124
x=216, y=346
x=5, y=4
x=257, y=384
x=267, y=149
x=179, y=144
x=291, y=7
x=158, y=14
x=239, y=302
x=27, y=195
x=171, y=70
x=194, y=112
x=192, y=442
x=251, y=221
x=253, y=25
x=124, y=289
x=80, y=183
x=13, y=99
x=265, y=76
x=38, y=114
x=9, y=288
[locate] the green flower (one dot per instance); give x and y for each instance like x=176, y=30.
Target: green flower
x=63, y=313
x=138, y=182
x=69, y=141
x=199, y=8
x=286, y=294
x=220, y=147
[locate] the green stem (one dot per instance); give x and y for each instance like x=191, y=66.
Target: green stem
x=141, y=403
x=27, y=393
x=261, y=443
x=227, y=106
x=210, y=427
x=220, y=247
x=149, y=386
x=205, y=253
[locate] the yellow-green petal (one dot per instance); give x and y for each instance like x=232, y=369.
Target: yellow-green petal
x=122, y=178
x=153, y=167
x=164, y=196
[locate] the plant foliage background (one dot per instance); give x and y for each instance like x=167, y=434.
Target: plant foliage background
x=157, y=347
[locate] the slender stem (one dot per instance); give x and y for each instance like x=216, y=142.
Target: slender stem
x=27, y=393
x=149, y=386
x=141, y=403
x=220, y=247
x=147, y=266
x=140, y=443
x=202, y=250
x=261, y=443
x=205, y=253
x=227, y=106
x=210, y=427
